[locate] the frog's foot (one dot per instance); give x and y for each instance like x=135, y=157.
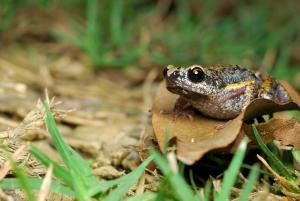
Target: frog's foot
x=181, y=108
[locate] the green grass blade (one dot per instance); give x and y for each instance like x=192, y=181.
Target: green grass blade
x=83, y=169
x=58, y=170
x=195, y=188
x=35, y=184
x=207, y=190
x=62, y=148
x=24, y=181
x=120, y=191
x=282, y=62
x=68, y=38
x=161, y=162
x=123, y=188
x=8, y=9
x=287, y=159
x=296, y=155
x=183, y=12
x=93, y=36
x=71, y=158
x=122, y=61
x=79, y=188
x=249, y=185
x=178, y=185
x=232, y=172
x=104, y=186
x=116, y=22
x=273, y=148
x=279, y=166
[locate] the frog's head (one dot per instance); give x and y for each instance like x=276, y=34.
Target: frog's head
x=191, y=81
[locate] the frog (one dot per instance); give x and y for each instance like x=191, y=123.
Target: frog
x=220, y=91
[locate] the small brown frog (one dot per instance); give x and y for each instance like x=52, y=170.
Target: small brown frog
x=221, y=91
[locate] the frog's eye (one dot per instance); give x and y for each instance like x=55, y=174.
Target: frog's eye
x=196, y=75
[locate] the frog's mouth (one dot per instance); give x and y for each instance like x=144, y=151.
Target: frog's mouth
x=181, y=89
x=174, y=87
x=184, y=92
x=177, y=90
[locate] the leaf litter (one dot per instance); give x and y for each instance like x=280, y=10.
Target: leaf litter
x=104, y=120
x=194, y=138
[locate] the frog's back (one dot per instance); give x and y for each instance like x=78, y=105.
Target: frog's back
x=230, y=74
x=265, y=86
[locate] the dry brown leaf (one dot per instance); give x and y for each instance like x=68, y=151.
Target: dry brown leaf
x=289, y=135
x=286, y=131
x=196, y=137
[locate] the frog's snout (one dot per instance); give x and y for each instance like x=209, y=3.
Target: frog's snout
x=171, y=72
x=171, y=76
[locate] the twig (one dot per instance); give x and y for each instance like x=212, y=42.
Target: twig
x=278, y=178
x=140, y=188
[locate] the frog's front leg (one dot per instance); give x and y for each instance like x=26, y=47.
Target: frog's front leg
x=181, y=108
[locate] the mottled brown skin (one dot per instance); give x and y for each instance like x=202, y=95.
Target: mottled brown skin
x=221, y=91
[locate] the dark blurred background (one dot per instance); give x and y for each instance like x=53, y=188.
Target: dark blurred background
x=147, y=34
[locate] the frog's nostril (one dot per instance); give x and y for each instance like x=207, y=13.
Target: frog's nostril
x=175, y=74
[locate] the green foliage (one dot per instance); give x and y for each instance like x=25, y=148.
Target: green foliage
x=77, y=179
x=58, y=170
x=82, y=177
x=207, y=190
x=243, y=37
x=77, y=176
x=274, y=161
x=175, y=182
x=110, y=36
x=110, y=32
x=126, y=182
x=296, y=155
x=249, y=184
x=277, y=164
x=8, y=9
x=231, y=174
x=174, y=187
x=105, y=38
x=24, y=181
x=35, y=184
